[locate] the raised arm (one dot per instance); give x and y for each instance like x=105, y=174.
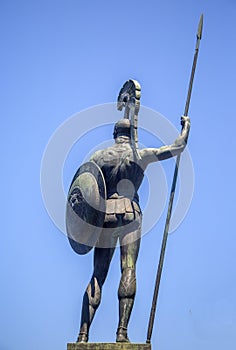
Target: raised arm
x=149, y=155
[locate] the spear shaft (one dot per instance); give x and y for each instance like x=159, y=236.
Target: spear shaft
x=172, y=193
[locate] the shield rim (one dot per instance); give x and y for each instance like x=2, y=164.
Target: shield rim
x=95, y=170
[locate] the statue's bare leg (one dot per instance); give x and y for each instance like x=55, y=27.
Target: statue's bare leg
x=92, y=295
x=129, y=252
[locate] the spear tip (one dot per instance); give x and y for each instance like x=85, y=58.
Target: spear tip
x=200, y=26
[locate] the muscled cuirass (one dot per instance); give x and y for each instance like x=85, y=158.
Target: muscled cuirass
x=123, y=177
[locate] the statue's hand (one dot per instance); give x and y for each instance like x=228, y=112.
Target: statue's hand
x=184, y=120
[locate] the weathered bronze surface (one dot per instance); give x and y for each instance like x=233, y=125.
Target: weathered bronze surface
x=122, y=166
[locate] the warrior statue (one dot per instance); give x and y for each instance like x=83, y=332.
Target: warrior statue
x=119, y=172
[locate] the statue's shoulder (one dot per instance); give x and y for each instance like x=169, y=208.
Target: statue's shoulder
x=96, y=156
x=103, y=155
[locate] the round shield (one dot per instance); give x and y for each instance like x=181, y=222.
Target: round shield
x=86, y=206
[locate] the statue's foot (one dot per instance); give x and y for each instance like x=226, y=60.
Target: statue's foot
x=82, y=338
x=121, y=335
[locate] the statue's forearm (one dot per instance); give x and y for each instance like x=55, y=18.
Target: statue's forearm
x=183, y=138
x=150, y=155
x=178, y=146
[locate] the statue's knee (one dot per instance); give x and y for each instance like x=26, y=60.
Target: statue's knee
x=127, y=287
x=93, y=293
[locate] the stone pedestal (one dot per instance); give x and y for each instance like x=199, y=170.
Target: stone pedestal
x=108, y=346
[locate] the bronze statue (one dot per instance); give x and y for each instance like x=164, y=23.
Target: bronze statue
x=120, y=170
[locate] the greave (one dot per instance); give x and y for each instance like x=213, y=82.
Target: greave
x=125, y=308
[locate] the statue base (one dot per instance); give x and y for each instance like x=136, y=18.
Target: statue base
x=108, y=346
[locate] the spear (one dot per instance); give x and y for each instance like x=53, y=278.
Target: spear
x=172, y=193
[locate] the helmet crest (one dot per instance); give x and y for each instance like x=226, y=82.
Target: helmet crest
x=129, y=97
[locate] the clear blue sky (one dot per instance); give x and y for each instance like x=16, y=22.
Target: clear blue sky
x=60, y=57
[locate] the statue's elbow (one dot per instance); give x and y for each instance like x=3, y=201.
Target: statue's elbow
x=182, y=147
x=179, y=148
